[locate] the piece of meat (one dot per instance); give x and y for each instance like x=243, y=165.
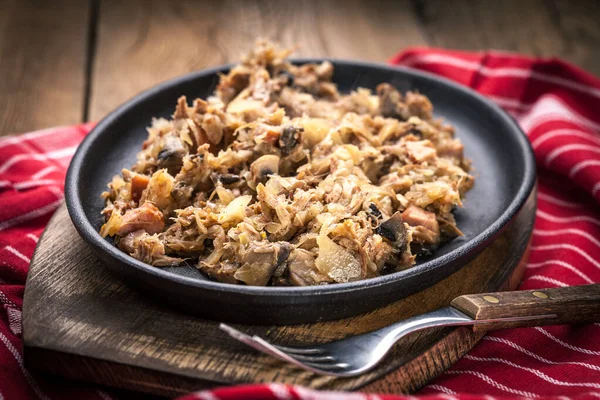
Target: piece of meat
x=390, y=102
x=127, y=243
x=146, y=217
x=213, y=127
x=147, y=248
x=427, y=229
x=420, y=151
x=396, y=182
x=139, y=183
x=451, y=148
x=421, y=234
x=233, y=83
x=418, y=105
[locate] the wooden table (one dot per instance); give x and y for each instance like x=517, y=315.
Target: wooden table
x=68, y=61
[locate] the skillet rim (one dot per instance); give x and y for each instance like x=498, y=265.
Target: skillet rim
x=93, y=238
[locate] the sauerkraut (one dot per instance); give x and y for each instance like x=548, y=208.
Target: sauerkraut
x=280, y=179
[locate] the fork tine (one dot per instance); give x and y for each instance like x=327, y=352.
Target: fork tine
x=274, y=351
x=242, y=337
x=327, y=367
x=298, y=350
x=313, y=358
x=314, y=365
x=258, y=343
x=234, y=333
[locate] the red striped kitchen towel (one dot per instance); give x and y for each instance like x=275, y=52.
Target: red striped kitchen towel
x=555, y=103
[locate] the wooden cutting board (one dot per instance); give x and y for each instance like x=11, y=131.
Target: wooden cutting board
x=83, y=323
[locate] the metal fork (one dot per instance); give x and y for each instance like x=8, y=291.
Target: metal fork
x=358, y=354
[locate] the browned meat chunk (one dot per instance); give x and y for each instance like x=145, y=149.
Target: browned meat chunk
x=233, y=83
x=146, y=217
x=452, y=148
x=139, y=183
x=147, y=248
x=390, y=102
x=224, y=272
x=418, y=105
x=421, y=151
x=427, y=229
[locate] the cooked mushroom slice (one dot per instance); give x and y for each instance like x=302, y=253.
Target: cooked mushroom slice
x=390, y=102
x=227, y=179
x=181, y=193
x=418, y=105
x=302, y=270
x=223, y=272
x=263, y=167
x=171, y=155
x=290, y=137
x=393, y=230
x=288, y=77
x=374, y=212
x=260, y=260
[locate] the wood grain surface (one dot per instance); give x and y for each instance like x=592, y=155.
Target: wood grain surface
x=492, y=24
x=42, y=64
x=81, y=322
x=141, y=43
x=69, y=61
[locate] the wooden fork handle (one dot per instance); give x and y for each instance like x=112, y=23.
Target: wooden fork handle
x=574, y=304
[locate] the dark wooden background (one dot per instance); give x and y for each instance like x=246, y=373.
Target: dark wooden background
x=68, y=61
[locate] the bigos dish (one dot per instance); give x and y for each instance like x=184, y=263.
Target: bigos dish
x=280, y=179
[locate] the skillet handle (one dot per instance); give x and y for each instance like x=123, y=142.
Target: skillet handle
x=574, y=304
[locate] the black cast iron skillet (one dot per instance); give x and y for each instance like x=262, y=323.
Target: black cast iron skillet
x=504, y=170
